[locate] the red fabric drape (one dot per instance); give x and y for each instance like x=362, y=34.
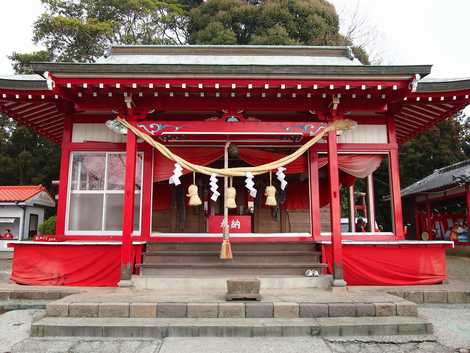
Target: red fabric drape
x=392, y=265
x=163, y=167
x=298, y=192
x=359, y=166
x=255, y=157
x=68, y=265
x=297, y=197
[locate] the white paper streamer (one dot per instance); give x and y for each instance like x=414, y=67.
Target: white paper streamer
x=177, y=172
x=214, y=187
x=250, y=184
x=281, y=177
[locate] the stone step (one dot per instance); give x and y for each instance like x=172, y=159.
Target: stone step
x=251, y=246
x=230, y=268
x=160, y=328
x=119, y=308
x=192, y=282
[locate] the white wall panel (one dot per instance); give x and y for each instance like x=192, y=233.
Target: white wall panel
x=365, y=134
x=83, y=132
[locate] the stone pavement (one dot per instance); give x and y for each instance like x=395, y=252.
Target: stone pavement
x=232, y=345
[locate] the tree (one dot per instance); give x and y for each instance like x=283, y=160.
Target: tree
x=81, y=30
x=446, y=143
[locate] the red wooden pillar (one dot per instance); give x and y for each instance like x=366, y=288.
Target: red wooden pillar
x=395, y=181
x=335, y=212
x=146, y=207
x=467, y=199
x=128, y=209
x=314, y=193
x=64, y=177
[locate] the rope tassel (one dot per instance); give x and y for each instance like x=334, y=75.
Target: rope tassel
x=270, y=193
x=194, y=199
x=231, y=195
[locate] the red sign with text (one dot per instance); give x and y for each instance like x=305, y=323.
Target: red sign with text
x=237, y=224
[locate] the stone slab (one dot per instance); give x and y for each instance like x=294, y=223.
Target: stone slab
x=385, y=309
x=143, y=310
x=313, y=310
x=259, y=310
x=113, y=310
x=83, y=309
x=57, y=309
x=231, y=310
x=407, y=309
x=171, y=310
x=365, y=309
x=286, y=310
x=202, y=310
x=435, y=297
x=341, y=309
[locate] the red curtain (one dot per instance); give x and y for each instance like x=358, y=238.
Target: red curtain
x=358, y=165
x=163, y=167
x=68, y=265
x=298, y=192
x=255, y=157
x=392, y=265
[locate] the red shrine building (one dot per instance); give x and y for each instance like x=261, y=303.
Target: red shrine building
x=123, y=209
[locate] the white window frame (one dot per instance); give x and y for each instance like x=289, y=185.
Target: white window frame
x=368, y=233
x=103, y=192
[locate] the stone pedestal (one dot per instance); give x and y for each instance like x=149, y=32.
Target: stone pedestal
x=238, y=289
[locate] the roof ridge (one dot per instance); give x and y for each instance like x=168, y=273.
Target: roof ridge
x=452, y=166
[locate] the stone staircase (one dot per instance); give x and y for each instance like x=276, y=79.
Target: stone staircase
x=250, y=258
x=328, y=315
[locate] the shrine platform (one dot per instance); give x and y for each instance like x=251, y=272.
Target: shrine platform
x=301, y=312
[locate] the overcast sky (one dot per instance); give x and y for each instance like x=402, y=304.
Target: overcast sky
x=409, y=31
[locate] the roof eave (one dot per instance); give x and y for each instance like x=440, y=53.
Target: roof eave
x=443, y=86
x=268, y=70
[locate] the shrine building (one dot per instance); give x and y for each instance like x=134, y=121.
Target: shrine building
x=288, y=156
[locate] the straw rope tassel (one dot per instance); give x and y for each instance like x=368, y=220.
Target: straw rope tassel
x=194, y=199
x=226, y=248
x=231, y=195
x=270, y=192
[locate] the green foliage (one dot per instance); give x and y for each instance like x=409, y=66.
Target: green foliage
x=22, y=62
x=48, y=227
x=447, y=143
x=81, y=30
x=273, y=22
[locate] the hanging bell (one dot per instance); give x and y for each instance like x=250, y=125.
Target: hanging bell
x=231, y=194
x=270, y=193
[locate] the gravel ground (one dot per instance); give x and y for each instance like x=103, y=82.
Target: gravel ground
x=458, y=268
x=15, y=327
x=451, y=323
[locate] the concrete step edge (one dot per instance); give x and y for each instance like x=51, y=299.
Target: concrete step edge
x=118, y=327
